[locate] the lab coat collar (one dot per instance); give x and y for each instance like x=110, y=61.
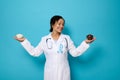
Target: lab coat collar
x=60, y=38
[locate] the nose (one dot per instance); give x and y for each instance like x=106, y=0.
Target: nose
x=61, y=26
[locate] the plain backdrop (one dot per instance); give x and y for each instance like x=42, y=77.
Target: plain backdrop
x=32, y=17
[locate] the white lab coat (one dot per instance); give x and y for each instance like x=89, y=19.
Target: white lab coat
x=56, y=66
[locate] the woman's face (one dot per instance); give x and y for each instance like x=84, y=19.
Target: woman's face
x=58, y=26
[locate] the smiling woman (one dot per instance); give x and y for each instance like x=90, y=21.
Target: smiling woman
x=55, y=47
x=32, y=17
x=57, y=20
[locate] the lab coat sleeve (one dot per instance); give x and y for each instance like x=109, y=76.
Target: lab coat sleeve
x=33, y=51
x=77, y=51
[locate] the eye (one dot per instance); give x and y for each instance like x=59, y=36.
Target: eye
x=63, y=24
x=59, y=24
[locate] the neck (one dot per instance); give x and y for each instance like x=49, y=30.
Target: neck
x=55, y=35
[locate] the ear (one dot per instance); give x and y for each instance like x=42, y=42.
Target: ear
x=53, y=26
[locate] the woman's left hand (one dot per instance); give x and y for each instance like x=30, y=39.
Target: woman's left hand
x=90, y=41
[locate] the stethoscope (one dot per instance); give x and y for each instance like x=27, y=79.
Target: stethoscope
x=60, y=49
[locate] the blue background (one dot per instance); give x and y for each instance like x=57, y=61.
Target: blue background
x=31, y=18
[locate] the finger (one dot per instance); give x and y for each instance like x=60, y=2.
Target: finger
x=15, y=38
x=94, y=38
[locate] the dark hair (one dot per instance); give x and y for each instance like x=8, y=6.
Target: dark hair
x=53, y=20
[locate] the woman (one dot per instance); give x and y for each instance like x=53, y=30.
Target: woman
x=55, y=47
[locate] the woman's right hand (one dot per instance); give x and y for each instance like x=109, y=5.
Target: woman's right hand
x=19, y=39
